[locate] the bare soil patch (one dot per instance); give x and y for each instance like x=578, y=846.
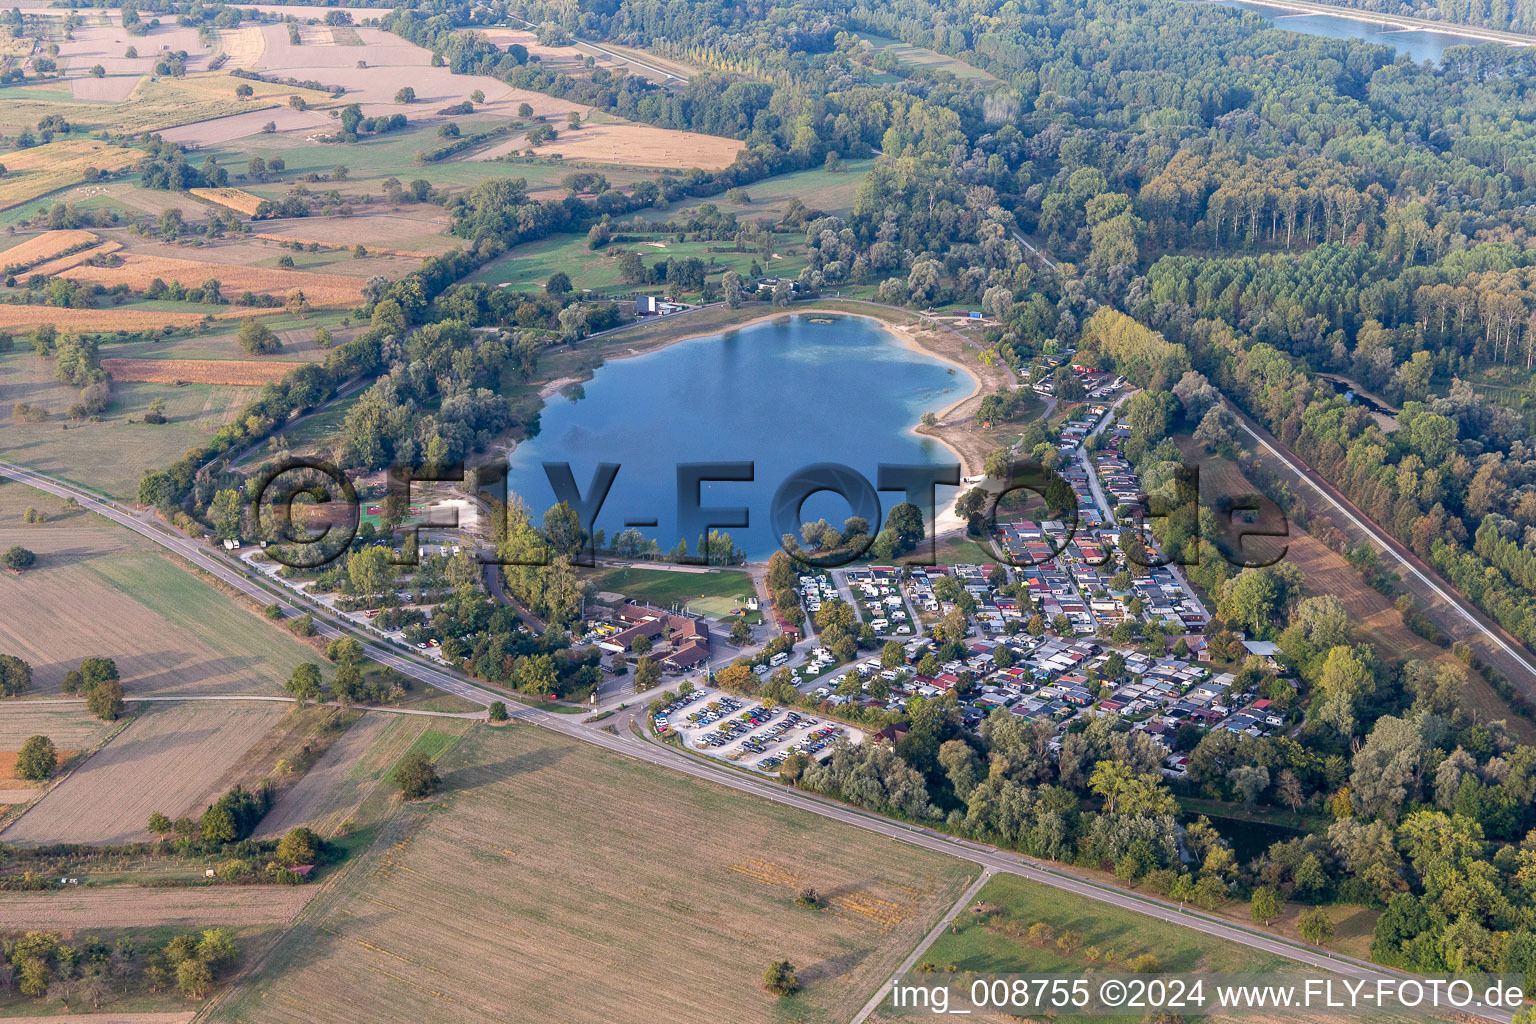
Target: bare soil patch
x=112, y=89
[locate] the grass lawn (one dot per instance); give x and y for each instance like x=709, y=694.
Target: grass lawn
x=580, y=886
x=999, y=943
x=714, y=593
x=921, y=57
x=831, y=192
x=111, y=455
x=529, y=265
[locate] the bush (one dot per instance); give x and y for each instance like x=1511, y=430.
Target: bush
x=416, y=777
x=38, y=759
x=498, y=711
x=18, y=558
x=780, y=978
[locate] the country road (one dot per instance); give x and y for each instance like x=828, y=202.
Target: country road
x=632, y=746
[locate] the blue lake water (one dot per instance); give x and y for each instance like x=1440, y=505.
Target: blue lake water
x=1420, y=45
x=784, y=395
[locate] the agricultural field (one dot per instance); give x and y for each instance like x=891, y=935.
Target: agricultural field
x=235, y=199
x=35, y=172
x=156, y=104
x=137, y=271
x=633, y=145
x=71, y=729
x=99, y=590
x=996, y=941
x=236, y=372
x=133, y=907
x=108, y=455
x=714, y=593
x=656, y=896
x=44, y=247
x=832, y=192
x=354, y=769
x=170, y=759
x=533, y=263
x=297, y=336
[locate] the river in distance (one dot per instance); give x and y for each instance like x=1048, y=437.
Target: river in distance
x=1421, y=45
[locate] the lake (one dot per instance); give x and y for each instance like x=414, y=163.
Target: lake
x=783, y=394
x=1423, y=45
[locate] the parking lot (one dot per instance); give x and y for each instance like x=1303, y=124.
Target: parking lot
x=744, y=732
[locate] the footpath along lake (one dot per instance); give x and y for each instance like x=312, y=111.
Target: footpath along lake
x=783, y=394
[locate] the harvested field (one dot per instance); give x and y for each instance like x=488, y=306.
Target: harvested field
x=110, y=453
x=69, y=727
x=166, y=760
x=406, y=233
x=24, y=318
x=98, y=589
x=243, y=46
x=241, y=372
x=35, y=172
x=8, y=778
x=137, y=271
x=74, y=259
x=330, y=792
x=134, y=907
x=44, y=247
x=240, y=126
x=113, y=89
x=418, y=254
x=235, y=199
x=637, y=145
x=507, y=891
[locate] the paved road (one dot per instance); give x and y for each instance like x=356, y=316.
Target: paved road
x=617, y=56
x=629, y=745
x=1517, y=656
x=1045, y=257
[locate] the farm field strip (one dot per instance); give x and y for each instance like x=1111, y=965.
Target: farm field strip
x=235, y=372
x=235, y=199
x=46, y=246
x=138, y=271
x=32, y=173
x=633, y=145
x=135, y=907
x=25, y=318
x=162, y=762
x=330, y=790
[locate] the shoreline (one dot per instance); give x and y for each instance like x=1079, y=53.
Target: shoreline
x=899, y=331
x=902, y=326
